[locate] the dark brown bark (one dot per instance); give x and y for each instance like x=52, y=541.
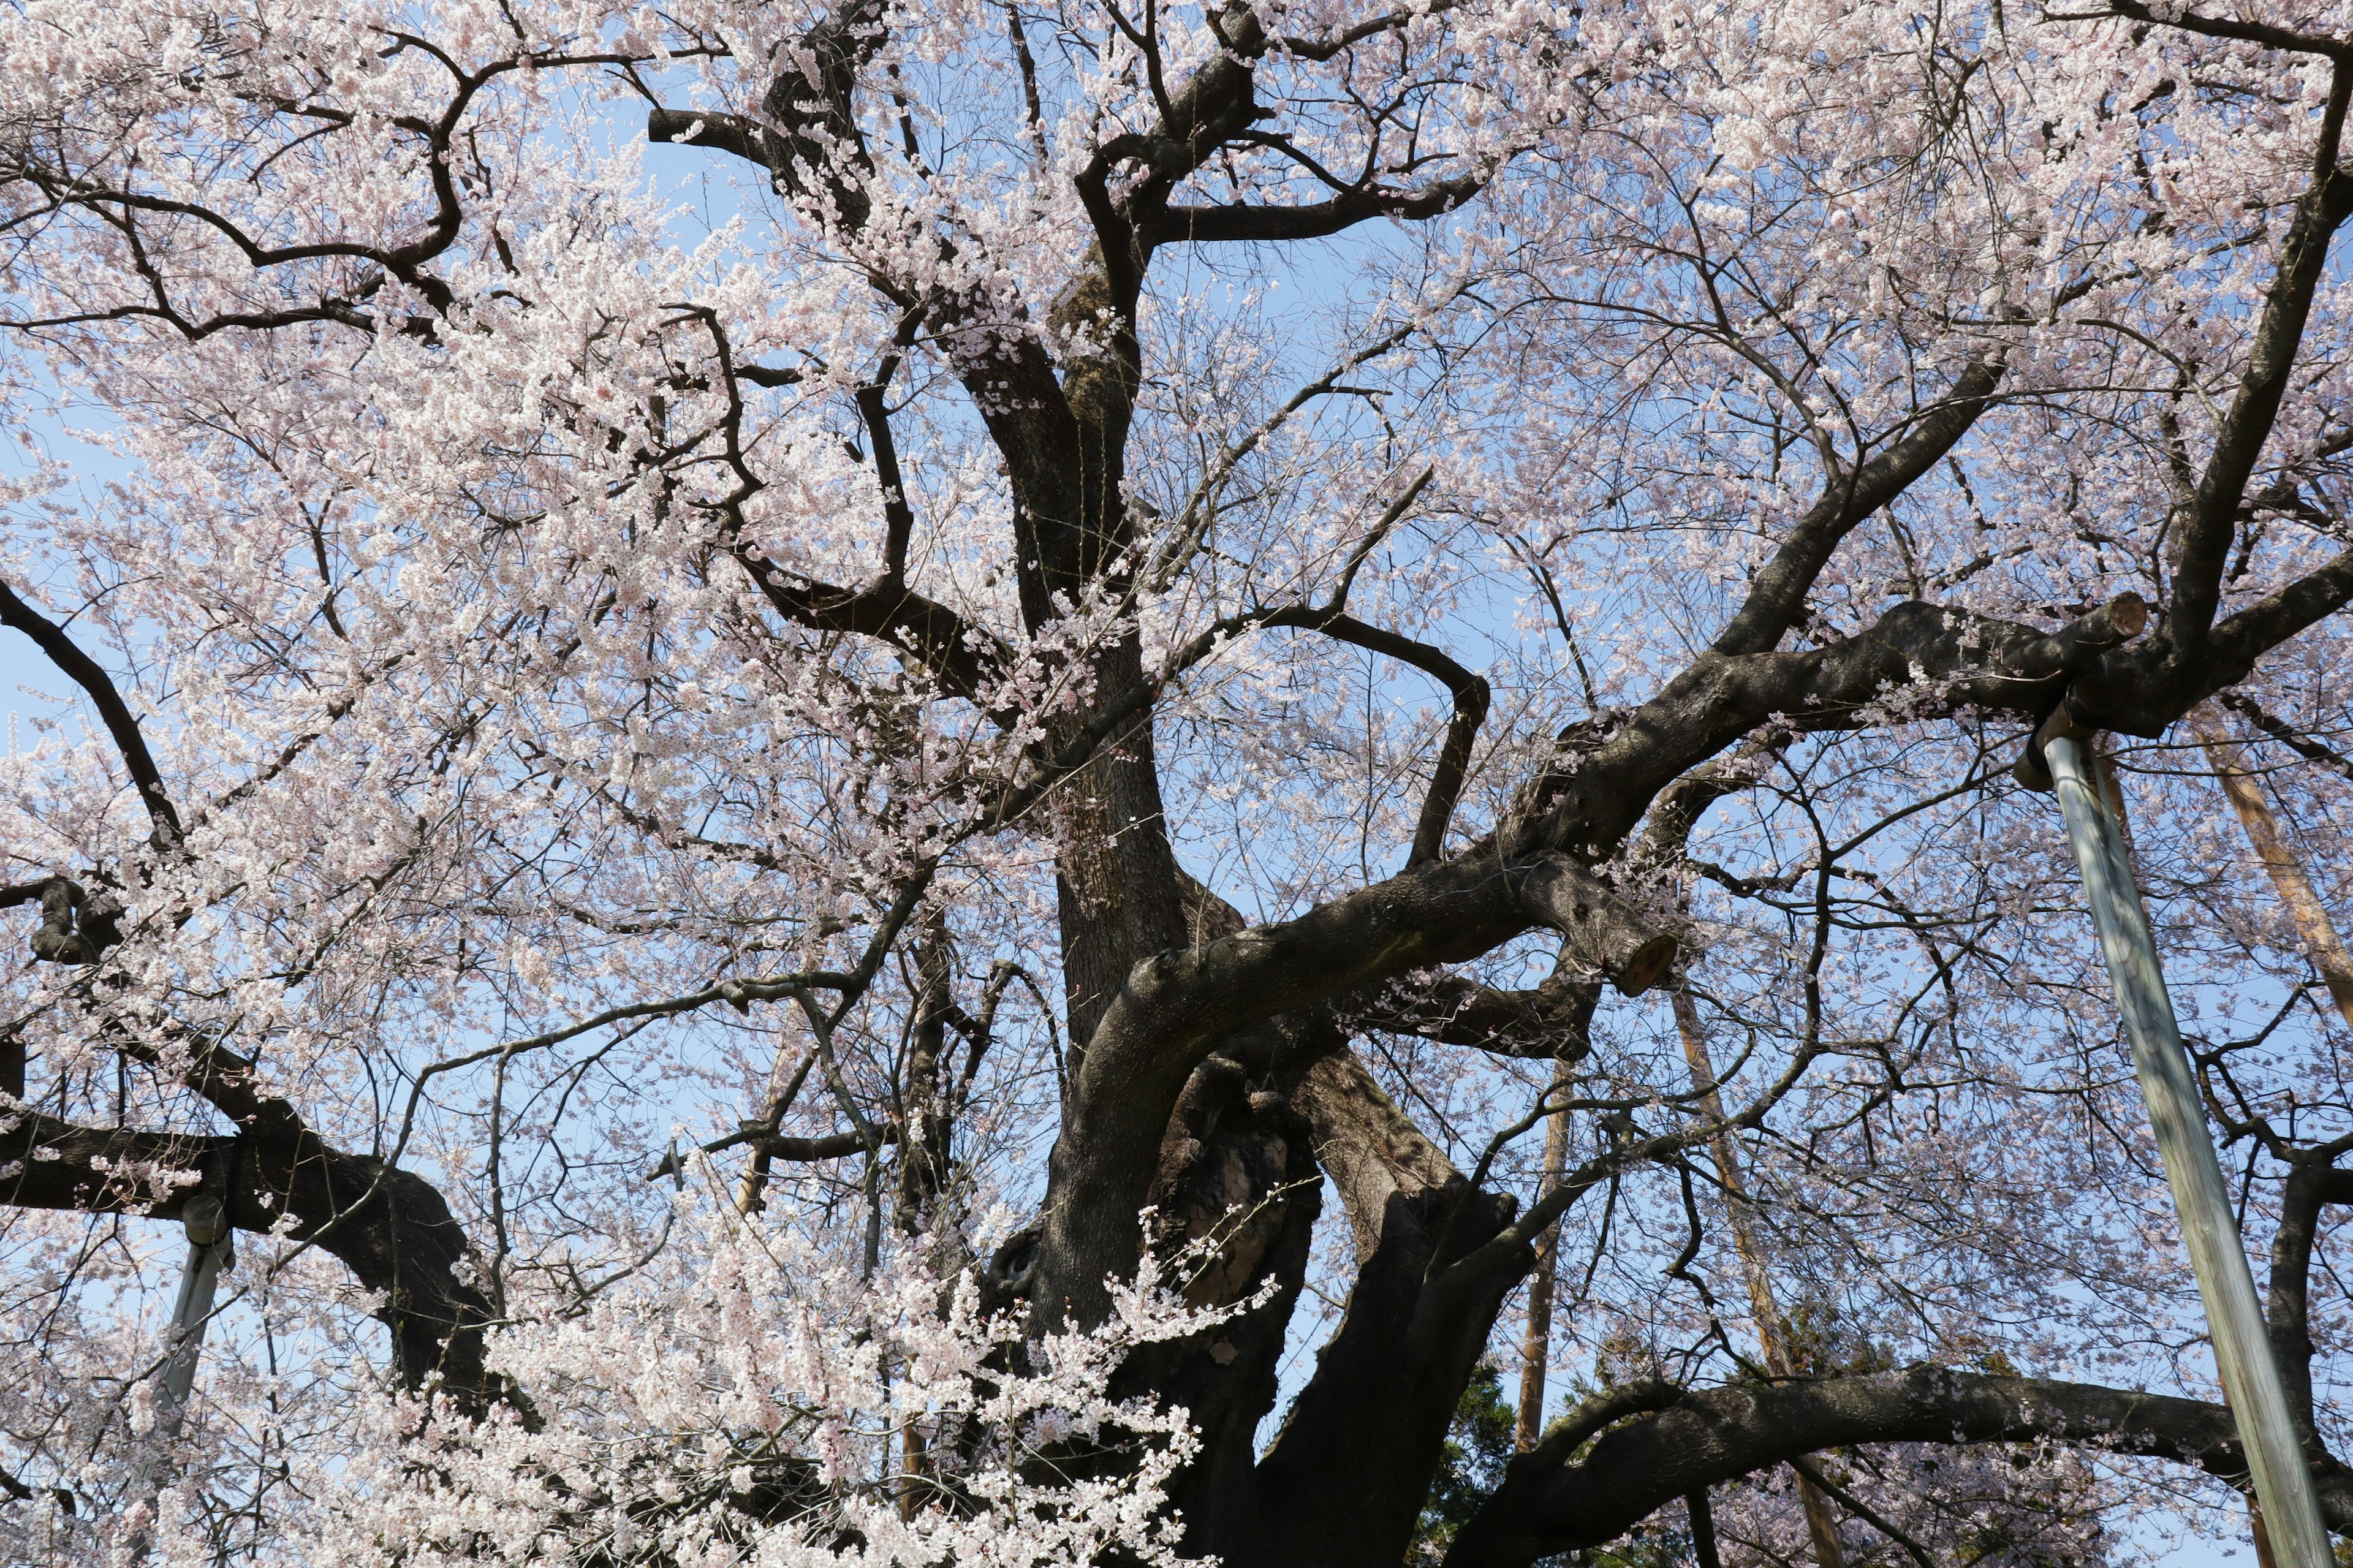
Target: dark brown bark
x=927, y=1115
x=2312, y=1181
x=122, y=724
x=1237, y=1184
x=1344, y=1481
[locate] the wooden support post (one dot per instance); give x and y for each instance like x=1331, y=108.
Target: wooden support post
x=210, y=1250
x=1536, y=1347
x=1770, y=1340
x=2321, y=943
x=208, y=1254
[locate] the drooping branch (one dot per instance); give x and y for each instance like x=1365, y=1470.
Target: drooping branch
x=1471, y=696
x=1469, y=692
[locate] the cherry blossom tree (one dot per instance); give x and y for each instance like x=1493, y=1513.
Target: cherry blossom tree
x=1323, y=650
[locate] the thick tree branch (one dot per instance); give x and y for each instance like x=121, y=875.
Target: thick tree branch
x=1547, y=1024
x=2148, y=688
x=2245, y=636
x=1240, y=222
x=1708, y=1437
x=389, y=1227
x=764, y=1140
x=2263, y=33
x=1371, y=1150
x=965, y=661
x=75, y=927
x=2212, y=522
x=1345, y=1478
x=746, y=138
x=1777, y=598
x=2313, y=1182
x=1175, y=1006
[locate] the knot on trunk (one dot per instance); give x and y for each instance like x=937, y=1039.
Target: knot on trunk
x=1600, y=930
x=77, y=927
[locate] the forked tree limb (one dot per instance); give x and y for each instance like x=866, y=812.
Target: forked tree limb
x=1380, y=1163
x=1175, y=1006
x=1776, y=595
x=2212, y=525
x=2313, y=1182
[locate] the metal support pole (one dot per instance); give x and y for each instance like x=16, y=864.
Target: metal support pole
x=210, y=1250
x=206, y=1222
x=2242, y=1346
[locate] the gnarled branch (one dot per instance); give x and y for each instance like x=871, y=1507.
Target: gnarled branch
x=1714, y=1436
